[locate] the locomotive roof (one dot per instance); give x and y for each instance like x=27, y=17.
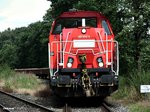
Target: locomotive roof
x=75, y=14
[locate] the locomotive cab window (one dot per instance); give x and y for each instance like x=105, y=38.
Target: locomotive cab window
x=73, y=23
x=106, y=28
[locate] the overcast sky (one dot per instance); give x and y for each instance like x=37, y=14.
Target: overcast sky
x=18, y=13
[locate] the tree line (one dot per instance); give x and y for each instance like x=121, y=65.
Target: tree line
x=27, y=46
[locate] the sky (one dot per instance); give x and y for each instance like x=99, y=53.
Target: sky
x=19, y=13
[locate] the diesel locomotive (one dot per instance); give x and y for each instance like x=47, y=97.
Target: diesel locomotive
x=83, y=55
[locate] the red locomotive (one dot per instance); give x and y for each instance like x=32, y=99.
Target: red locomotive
x=83, y=55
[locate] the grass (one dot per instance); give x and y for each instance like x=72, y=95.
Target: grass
x=129, y=87
x=129, y=92
x=139, y=107
x=11, y=81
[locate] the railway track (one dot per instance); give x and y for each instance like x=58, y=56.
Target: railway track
x=71, y=106
x=3, y=109
x=88, y=105
x=106, y=108
x=13, y=103
x=42, y=73
x=67, y=108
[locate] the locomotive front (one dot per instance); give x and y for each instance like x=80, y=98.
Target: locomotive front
x=83, y=55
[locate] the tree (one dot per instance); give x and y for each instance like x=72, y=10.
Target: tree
x=8, y=48
x=135, y=31
x=32, y=46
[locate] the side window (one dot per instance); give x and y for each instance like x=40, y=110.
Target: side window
x=105, y=26
x=58, y=28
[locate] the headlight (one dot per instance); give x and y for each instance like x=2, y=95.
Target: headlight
x=83, y=30
x=101, y=64
x=70, y=61
x=69, y=65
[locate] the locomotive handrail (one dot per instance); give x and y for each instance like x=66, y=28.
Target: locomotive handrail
x=81, y=49
x=57, y=42
x=57, y=62
x=61, y=59
x=107, y=50
x=66, y=41
x=65, y=46
x=99, y=43
x=74, y=54
x=101, y=40
x=49, y=58
x=117, y=58
x=112, y=67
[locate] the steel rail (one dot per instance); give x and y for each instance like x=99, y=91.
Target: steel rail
x=107, y=107
x=3, y=108
x=28, y=102
x=67, y=108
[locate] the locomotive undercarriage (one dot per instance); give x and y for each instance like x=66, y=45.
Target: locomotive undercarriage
x=84, y=83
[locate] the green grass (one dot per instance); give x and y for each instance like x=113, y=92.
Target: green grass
x=6, y=72
x=137, y=79
x=123, y=90
x=129, y=91
x=138, y=108
x=13, y=80
x=129, y=87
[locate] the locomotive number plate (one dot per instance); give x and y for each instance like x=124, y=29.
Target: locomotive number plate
x=83, y=43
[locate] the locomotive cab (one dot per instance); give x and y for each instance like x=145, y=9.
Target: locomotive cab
x=83, y=55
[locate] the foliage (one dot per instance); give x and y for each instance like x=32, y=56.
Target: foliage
x=59, y=6
x=7, y=48
x=134, y=35
x=32, y=48
x=25, y=47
